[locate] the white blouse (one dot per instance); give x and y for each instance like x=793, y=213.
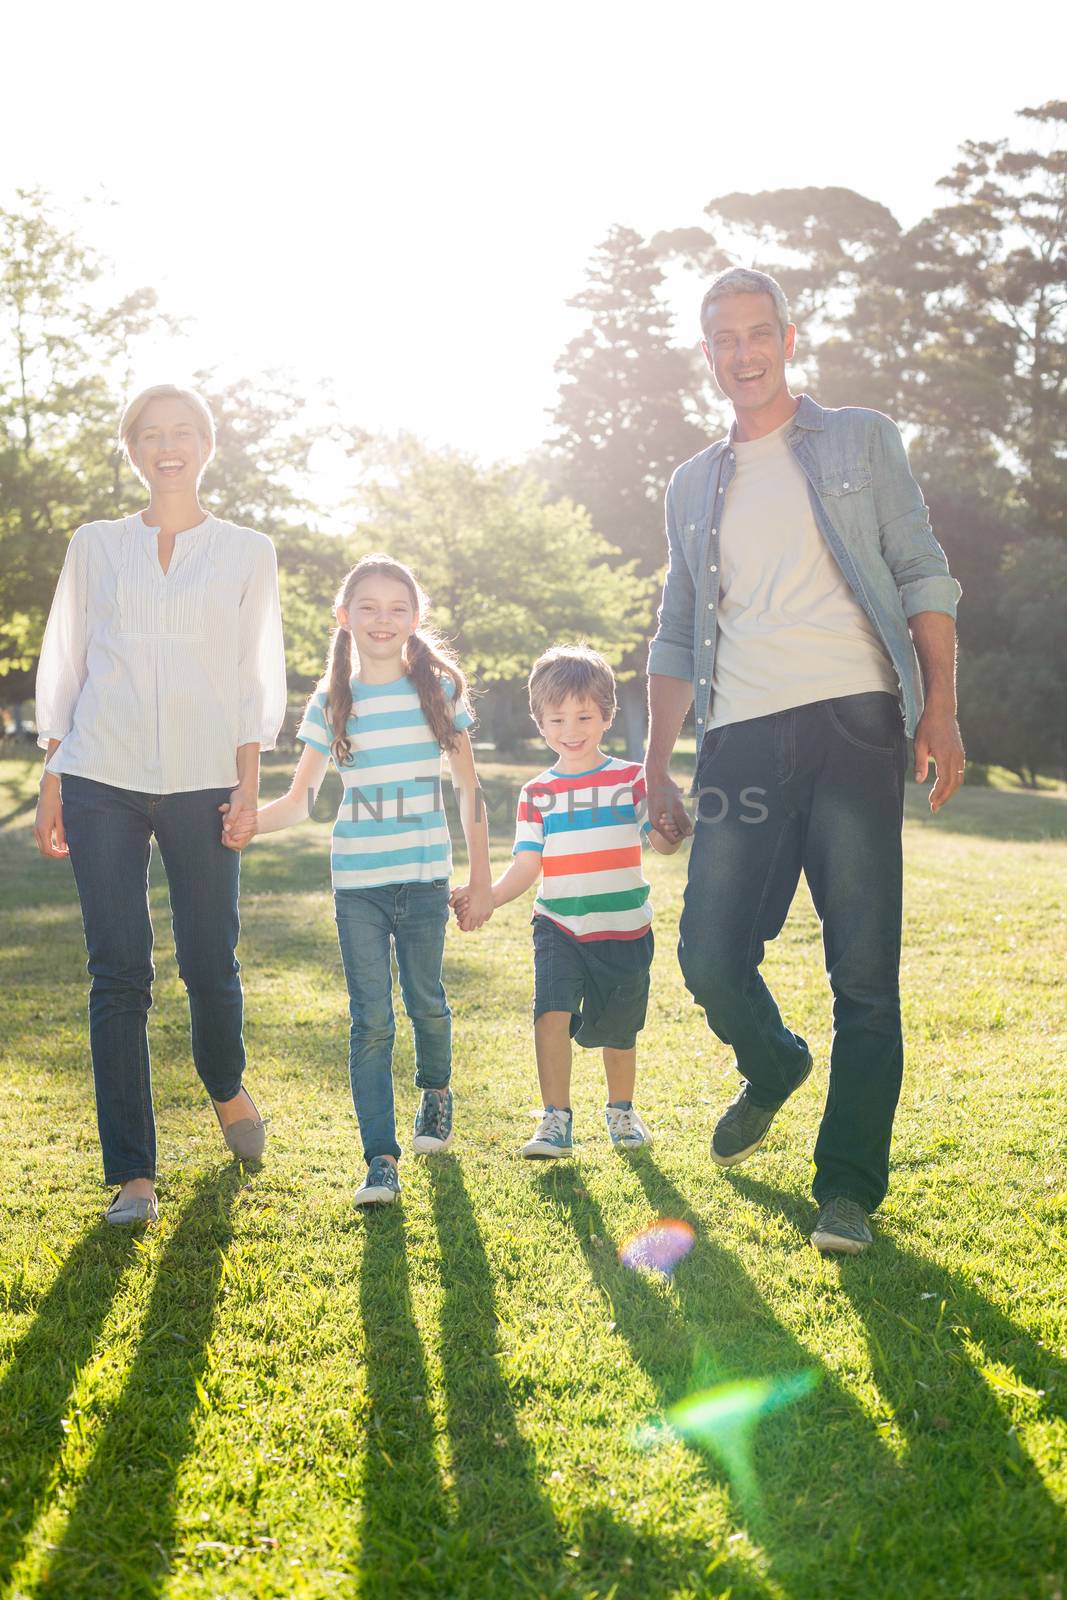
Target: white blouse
x=152, y=679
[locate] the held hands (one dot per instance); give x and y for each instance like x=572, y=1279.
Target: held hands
x=666, y=807
x=240, y=818
x=937, y=739
x=473, y=907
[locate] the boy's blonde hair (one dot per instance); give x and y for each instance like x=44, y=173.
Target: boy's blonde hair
x=571, y=669
x=134, y=408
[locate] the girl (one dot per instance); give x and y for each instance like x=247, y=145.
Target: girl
x=384, y=715
x=161, y=679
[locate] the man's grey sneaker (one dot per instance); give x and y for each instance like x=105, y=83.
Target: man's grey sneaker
x=121, y=1211
x=842, y=1227
x=433, y=1122
x=743, y=1126
x=627, y=1130
x=553, y=1137
x=381, y=1185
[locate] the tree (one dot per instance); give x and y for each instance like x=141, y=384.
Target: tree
x=508, y=571
x=60, y=356
x=627, y=415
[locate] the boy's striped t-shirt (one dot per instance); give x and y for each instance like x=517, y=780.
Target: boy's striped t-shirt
x=391, y=825
x=588, y=829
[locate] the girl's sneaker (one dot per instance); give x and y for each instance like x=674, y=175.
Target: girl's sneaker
x=381, y=1185
x=627, y=1130
x=433, y=1122
x=553, y=1137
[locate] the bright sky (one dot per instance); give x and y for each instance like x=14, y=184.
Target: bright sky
x=398, y=199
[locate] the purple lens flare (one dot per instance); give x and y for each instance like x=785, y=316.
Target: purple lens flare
x=659, y=1247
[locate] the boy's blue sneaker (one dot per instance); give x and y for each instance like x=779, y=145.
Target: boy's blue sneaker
x=433, y=1122
x=553, y=1137
x=627, y=1130
x=381, y=1185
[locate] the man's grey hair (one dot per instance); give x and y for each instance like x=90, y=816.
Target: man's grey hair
x=745, y=280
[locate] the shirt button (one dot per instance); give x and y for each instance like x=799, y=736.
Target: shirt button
x=692, y=527
x=713, y=569
x=711, y=605
x=723, y=491
x=703, y=680
x=707, y=641
x=845, y=484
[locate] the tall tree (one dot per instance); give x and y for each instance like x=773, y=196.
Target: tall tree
x=628, y=413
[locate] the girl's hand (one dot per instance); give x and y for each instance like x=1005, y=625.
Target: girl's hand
x=473, y=906
x=48, y=827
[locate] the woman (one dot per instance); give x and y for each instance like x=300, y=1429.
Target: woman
x=161, y=680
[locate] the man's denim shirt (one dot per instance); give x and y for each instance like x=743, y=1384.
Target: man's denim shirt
x=871, y=513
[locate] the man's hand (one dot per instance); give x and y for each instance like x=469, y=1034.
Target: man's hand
x=48, y=827
x=666, y=806
x=937, y=739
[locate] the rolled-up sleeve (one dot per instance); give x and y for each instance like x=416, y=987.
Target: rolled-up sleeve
x=916, y=560
x=61, y=669
x=670, y=654
x=261, y=651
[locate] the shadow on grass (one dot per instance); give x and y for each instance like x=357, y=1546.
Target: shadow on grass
x=967, y=1472
x=714, y=1327
x=119, y=1537
x=509, y=1542
x=36, y=1387
x=404, y=1532
x=513, y=1544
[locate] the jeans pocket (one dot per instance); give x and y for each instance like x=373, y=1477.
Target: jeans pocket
x=870, y=722
x=713, y=742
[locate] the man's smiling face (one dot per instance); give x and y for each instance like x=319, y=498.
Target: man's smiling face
x=747, y=350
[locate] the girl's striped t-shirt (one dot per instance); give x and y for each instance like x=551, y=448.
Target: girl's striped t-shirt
x=391, y=825
x=588, y=828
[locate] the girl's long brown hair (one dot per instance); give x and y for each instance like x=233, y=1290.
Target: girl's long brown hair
x=428, y=660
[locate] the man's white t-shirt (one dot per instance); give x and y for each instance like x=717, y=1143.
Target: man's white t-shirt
x=791, y=631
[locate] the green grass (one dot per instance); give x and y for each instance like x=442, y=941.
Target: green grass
x=270, y=1395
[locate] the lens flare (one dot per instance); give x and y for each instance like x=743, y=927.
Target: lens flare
x=724, y=1419
x=659, y=1247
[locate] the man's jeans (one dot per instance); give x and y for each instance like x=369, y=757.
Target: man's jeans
x=818, y=788
x=109, y=832
x=415, y=916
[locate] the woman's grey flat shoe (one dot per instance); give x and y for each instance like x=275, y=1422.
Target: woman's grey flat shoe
x=143, y=1210
x=247, y=1138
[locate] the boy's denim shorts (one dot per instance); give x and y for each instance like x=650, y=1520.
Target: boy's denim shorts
x=603, y=983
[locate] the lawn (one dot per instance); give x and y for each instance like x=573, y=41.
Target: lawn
x=462, y=1396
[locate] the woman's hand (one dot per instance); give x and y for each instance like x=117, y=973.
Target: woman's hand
x=240, y=818
x=48, y=827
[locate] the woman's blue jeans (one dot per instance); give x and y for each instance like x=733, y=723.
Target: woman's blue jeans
x=109, y=832
x=818, y=789
x=413, y=916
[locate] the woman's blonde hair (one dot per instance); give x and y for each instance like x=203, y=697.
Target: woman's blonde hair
x=134, y=409
x=428, y=660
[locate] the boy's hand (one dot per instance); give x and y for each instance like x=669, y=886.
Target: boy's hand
x=240, y=824
x=473, y=907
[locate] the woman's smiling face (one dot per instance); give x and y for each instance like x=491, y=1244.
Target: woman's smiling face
x=169, y=450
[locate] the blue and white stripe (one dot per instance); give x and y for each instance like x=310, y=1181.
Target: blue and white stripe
x=391, y=825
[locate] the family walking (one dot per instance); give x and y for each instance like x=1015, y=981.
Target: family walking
x=808, y=620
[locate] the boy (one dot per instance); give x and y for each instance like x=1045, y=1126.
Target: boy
x=579, y=823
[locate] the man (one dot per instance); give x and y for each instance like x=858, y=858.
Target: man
x=803, y=582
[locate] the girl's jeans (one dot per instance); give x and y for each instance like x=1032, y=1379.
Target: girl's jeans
x=109, y=832
x=415, y=916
